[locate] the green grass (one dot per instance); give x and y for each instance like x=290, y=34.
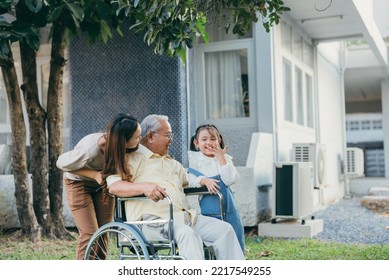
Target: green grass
x=312, y=249
x=13, y=247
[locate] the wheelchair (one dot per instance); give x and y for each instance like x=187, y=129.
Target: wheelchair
x=125, y=240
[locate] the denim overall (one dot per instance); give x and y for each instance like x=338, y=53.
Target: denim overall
x=209, y=205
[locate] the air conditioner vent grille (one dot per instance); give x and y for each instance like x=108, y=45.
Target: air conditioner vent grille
x=302, y=154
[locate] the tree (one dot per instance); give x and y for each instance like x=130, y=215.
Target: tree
x=169, y=26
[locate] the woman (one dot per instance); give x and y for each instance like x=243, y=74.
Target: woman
x=91, y=207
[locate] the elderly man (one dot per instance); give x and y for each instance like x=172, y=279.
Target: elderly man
x=155, y=174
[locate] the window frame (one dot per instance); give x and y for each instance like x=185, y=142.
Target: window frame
x=200, y=51
x=297, y=63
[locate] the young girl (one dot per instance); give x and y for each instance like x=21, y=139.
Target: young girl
x=210, y=166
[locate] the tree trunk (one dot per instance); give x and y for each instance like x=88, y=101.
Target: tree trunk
x=55, y=124
x=27, y=219
x=37, y=121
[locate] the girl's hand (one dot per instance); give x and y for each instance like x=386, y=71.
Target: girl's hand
x=219, y=154
x=211, y=184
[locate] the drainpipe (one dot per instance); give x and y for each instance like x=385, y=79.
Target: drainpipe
x=273, y=94
x=317, y=107
x=343, y=64
x=316, y=90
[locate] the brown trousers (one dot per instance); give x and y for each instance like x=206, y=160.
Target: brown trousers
x=89, y=211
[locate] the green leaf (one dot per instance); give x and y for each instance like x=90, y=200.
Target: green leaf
x=105, y=31
x=182, y=54
x=76, y=11
x=55, y=13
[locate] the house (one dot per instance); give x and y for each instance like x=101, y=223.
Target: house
x=268, y=93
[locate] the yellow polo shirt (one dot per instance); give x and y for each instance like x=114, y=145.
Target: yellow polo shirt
x=146, y=166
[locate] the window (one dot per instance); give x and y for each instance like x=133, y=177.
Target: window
x=365, y=125
x=225, y=78
x=309, y=98
x=297, y=77
x=299, y=93
x=377, y=124
x=354, y=125
x=223, y=84
x=288, y=100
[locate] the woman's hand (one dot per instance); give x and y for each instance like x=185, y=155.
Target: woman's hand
x=211, y=184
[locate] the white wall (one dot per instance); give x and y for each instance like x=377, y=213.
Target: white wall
x=331, y=117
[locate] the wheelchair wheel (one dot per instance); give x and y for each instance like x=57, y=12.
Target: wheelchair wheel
x=117, y=241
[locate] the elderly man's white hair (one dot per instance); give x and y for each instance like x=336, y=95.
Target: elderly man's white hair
x=151, y=123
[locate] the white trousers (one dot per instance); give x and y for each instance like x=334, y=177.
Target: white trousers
x=220, y=235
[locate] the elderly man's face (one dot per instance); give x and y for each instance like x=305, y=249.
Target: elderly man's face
x=162, y=139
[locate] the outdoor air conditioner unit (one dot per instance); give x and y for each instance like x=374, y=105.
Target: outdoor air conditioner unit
x=292, y=190
x=355, y=162
x=315, y=153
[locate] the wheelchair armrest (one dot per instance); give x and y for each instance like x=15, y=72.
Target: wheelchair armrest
x=200, y=191
x=196, y=191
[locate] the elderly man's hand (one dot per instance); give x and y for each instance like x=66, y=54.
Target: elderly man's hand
x=154, y=192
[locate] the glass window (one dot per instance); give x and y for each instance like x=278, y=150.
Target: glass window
x=354, y=125
x=309, y=98
x=226, y=84
x=299, y=93
x=288, y=100
x=298, y=71
x=365, y=125
x=377, y=124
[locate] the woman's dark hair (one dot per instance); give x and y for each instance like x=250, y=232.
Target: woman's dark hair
x=212, y=130
x=119, y=131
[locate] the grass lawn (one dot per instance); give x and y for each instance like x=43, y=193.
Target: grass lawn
x=13, y=247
